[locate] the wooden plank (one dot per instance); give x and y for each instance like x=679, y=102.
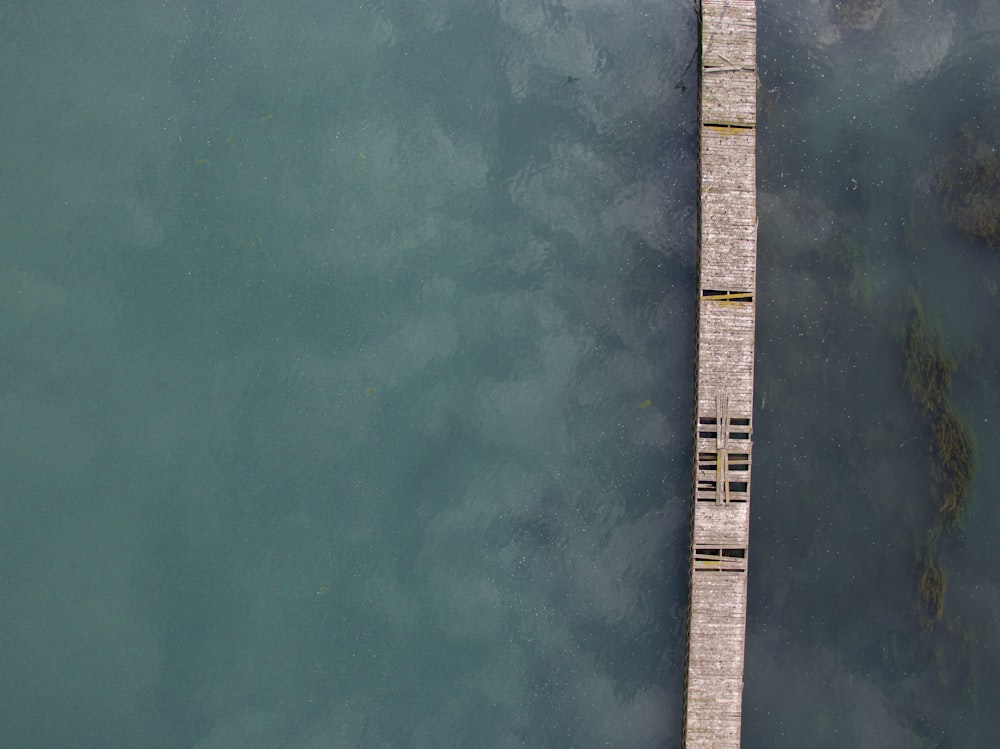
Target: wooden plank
x=729, y=34
x=721, y=524
x=715, y=660
x=728, y=155
x=728, y=199
x=725, y=356
x=727, y=238
x=729, y=97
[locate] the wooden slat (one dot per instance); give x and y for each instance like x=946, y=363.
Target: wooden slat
x=728, y=225
x=727, y=275
x=729, y=97
x=729, y=34
x=715, y=659
x=725, y=356
x=721, y=524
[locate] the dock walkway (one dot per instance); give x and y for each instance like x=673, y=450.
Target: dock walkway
x=723, y=429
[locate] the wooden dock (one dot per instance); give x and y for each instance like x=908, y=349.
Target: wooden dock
x=723, y=428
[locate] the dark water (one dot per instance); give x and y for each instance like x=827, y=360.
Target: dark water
x=345, y=375
x=856, y=126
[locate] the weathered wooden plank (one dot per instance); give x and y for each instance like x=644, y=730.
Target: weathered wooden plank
x=728, y=97
x=721, y=524
x=728, y=220
x=715, y=659
x=728, y=157
x=725, y=356
x=727, y=239
x=729, y=34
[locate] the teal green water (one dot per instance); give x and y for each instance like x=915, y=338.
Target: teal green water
x=345, y=380
x=345, y=373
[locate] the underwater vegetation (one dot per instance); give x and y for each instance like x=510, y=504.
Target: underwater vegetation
x=956, y=464
x=968, y=180
x=928, y=368
x=853, y=264
x=928, y=375
x=932, y=587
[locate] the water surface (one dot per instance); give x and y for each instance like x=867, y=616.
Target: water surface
x=346, y=373
x=859, y=113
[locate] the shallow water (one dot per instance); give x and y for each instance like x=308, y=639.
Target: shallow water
x=855, y=124
x=347, y=385
x=347, y=382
